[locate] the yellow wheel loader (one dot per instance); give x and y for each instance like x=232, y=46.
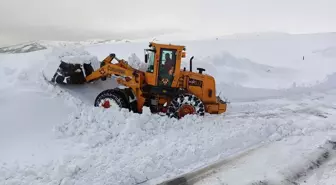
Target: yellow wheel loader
x=163, y=87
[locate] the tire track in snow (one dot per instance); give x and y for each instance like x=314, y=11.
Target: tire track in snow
x=196, y=175
x=299, y=171
x=321, y=156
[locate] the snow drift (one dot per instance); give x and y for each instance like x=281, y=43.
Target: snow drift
x=232, y=70
x=126, y=148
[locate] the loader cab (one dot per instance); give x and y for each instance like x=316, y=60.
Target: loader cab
x=163, y=63
x=166, y=67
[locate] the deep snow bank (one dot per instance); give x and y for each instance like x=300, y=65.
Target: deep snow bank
x=275, y=50
x=126, y=149
x=29, y=109
x=229, y=69
x=118, y=147
x=238, y=93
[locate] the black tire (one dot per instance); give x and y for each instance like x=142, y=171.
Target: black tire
x=112, y=94
x=185, y=99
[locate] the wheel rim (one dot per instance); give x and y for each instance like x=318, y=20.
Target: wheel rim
x=186, y=109
x=108, y=103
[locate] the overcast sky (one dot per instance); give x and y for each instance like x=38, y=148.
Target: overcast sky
x=22, y=20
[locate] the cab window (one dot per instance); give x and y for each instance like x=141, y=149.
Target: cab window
x=151, y=56
x=167, y=67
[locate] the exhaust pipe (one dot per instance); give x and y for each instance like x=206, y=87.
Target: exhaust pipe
x=191, y=63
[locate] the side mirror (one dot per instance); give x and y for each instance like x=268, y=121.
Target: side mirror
x=146, y=58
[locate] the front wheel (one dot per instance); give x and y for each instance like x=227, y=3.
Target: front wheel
x=185, y=104
x=111, y=98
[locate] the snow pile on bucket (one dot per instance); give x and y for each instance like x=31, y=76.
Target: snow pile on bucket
x=68, y=55
x=77, y=55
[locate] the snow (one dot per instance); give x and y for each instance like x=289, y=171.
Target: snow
x=282, y=109
x=23, y=121
x=283, y=162
x=324, y=176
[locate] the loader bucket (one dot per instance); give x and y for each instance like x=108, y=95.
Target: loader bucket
x=69, y=73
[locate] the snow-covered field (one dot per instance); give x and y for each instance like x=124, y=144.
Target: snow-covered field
x=282, y=109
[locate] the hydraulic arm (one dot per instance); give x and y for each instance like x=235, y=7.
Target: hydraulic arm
x=108, y=69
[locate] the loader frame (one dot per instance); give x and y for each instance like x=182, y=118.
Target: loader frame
x=163, y=87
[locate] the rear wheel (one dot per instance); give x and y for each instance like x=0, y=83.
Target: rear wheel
x=111, y=98
x=185, y=104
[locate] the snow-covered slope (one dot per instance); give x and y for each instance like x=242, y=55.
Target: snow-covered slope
x=82, y=43
x=54, y=135
x=23, y=48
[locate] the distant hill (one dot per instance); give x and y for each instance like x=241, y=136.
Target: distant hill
x=41, y=45
x=23, y=48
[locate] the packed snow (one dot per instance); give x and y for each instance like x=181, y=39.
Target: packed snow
x=278, y=102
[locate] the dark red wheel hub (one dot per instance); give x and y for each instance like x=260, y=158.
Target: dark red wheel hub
x=106, y=104
x=186, y=109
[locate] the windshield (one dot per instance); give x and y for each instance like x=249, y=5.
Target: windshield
x=151, y=55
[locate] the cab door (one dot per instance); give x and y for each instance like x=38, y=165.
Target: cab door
x=167, y=64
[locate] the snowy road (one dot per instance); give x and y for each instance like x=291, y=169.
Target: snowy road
x=287, y=162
